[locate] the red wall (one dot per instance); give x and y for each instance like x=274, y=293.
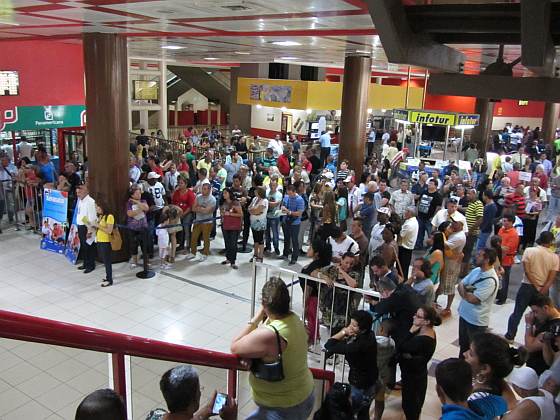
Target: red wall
x=511, y=108
x=50, y=73
x=450, y=103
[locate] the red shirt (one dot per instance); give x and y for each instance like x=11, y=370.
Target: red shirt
x=184, y=200
x=157, y=169
x=544, y=180
x=518, y=201
x=307, y=166
x=284, y=165
x=510, y=238
x=183, y=167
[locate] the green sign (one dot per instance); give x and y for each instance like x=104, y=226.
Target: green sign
x=43, y=117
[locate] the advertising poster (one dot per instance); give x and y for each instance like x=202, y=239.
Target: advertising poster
x=73, y=242
x=54, y=223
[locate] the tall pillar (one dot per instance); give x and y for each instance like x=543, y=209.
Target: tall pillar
x=105, y=60
x=162, y=121
x=240, y=114
x=357, y=71
x=481, y=133
x=550, y=121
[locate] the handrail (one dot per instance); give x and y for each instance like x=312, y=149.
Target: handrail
x=18, y=326
x=292, y=273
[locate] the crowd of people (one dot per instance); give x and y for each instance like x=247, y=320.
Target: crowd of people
x=449, y=231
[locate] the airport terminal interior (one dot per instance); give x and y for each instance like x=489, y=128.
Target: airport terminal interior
x=280, y=210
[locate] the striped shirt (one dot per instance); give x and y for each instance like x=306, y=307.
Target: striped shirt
x=516, y=201
x=474, y=211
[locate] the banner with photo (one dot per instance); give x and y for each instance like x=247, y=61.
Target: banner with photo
x=73, y=241
x=54, y=222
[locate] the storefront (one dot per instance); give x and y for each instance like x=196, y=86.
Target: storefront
x=61, y=128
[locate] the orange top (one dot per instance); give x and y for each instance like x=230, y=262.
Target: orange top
x=510, y=239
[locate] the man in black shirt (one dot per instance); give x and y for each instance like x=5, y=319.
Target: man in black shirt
x=357, y=342
x=315, y=163
x=142, y=139
x=401, y=302
x=544, y=318
x=428, y=204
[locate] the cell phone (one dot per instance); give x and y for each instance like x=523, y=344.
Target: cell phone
x=219, y=403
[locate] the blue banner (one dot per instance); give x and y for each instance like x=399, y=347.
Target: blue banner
x=54, y=224
x=73, y=242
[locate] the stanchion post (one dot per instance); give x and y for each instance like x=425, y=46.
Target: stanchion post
x=146, y=273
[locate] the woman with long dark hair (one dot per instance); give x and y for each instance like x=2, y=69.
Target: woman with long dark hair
x=435, y=256
x=104, y=224
x=136, y=221
x=329, y=216
x=414, y=354
x=342, y=204
x=232, y=216
x=321, y=253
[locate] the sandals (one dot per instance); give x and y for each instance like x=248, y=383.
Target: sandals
x=106, y=283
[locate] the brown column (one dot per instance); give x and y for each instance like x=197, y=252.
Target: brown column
x=105, y=60
x=550, y=121
x=482, y=132
x=357, y=71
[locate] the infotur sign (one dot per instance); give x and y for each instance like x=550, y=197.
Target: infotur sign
x=43, y=117
x=468, y=119
x=435, y=118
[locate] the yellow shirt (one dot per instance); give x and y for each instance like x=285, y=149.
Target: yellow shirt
x=103, y=222
x=297, y=384
x=540, y=262
x=203, y=164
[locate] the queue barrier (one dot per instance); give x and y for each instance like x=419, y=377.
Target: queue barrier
x=22, y=203
x=28, y=328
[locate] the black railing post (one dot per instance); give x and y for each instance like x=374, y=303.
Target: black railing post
x=146, y=273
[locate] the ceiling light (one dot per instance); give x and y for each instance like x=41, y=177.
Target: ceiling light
x=383, y=110
x=369, y=110
x=283, y=109
x=211, y=58
x=259, y=106
x=308, y=111
x=172, y=47
x=242, y=53
x=363, y=52
x=286, y=43
x=288, y=58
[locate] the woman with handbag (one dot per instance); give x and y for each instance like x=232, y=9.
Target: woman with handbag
x=257, y=215
x=104, y=224
x=281, y=382
x=232, y=216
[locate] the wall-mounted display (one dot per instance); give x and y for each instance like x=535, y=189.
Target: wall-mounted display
x=145, y=90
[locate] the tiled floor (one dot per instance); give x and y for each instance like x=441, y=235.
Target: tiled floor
x=199, y=304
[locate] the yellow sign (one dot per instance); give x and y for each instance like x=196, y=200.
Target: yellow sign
x=468, y=119
x=435, y=118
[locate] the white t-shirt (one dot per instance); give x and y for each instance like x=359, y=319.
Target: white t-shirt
x=24, y=149
x=409, y=233
x=259, y=219
x=385, y=137
x=442, y=216
x=542, y=193
x=277, y=147
x=347, y=245
x=158, y=192
x=456, y=241
x=162, y=238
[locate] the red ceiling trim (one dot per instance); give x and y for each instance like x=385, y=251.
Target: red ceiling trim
x=327, y=13
x=42, y=8
x=38, y=15
x=111, y=2
x=357, y=3
x=57, y=25
x=118, y=12
x=303, y=32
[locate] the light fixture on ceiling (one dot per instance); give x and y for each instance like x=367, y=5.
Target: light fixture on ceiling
x=308, y=111
x=208, y=72
x=211, y=58
x=3, y=22
x=288, y=58
x=172, y=47
x=259, y=106
x=286, y=43
x=369, y=110
x=363, y=52
x=383, y=110
x=242, y=53
x=283, y=109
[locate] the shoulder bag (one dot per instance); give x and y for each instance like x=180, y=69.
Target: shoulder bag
x=271, y=372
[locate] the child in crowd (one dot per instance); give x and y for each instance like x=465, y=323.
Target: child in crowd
x=163, y=243
x=385, y=353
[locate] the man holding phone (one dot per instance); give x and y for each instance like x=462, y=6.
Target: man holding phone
x=180, y=387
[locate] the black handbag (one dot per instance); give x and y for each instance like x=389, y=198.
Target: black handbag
x=271, y=372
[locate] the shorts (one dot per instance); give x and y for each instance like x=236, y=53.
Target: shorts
x=258, y=236
x=163, y=252
x=450, y=276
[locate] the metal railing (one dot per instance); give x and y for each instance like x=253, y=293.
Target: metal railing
x=21, y=204
x=27, y=328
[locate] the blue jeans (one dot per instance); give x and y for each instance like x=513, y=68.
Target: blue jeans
x=272, y=233
x=524, y=296
x=482, y=239
x=424, y=226
x=361, y=397
x=553, y=207
x=298, y=412
x=291, y=234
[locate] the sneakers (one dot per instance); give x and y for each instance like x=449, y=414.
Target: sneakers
x=517, y=260
x=199, y=258
x=190, y=256
x=165, y=266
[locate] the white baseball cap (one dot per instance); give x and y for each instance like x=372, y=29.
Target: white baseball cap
x=153, y=175
x=524, y=377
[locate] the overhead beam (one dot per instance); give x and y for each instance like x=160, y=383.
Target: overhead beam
x=496, y=87
x=403, y=46
x=537, y=48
